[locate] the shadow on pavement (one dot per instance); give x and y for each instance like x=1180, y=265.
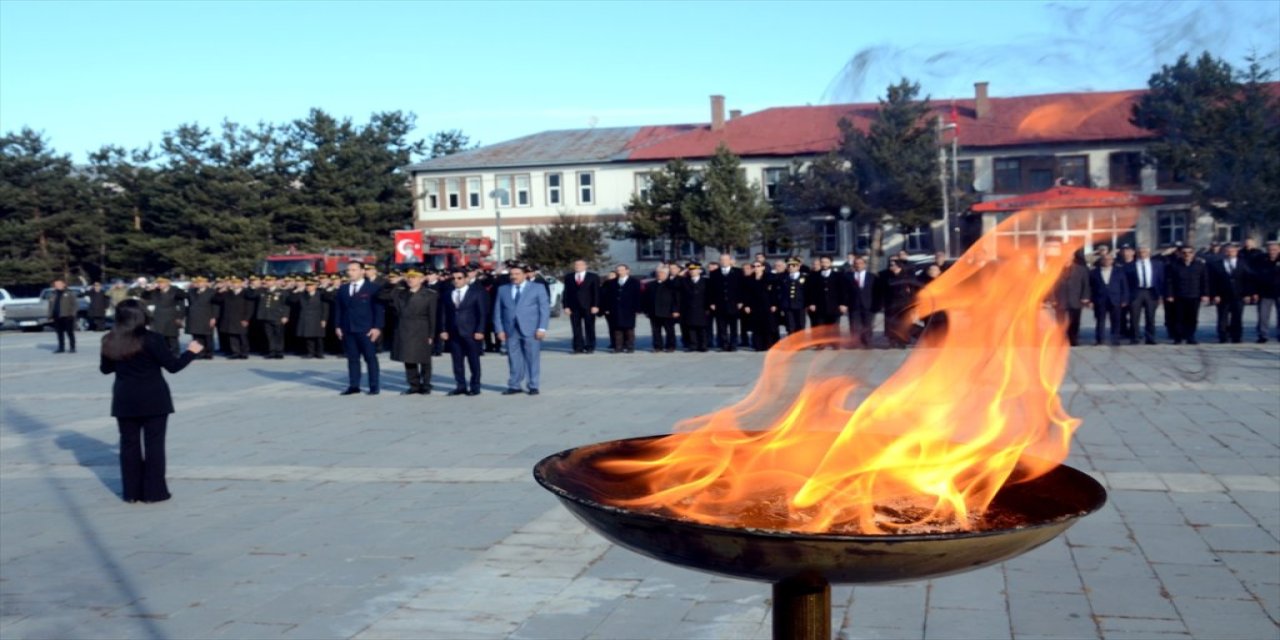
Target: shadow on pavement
x=91, y=453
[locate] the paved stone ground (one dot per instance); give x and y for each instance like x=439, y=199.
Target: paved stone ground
x=300, y=514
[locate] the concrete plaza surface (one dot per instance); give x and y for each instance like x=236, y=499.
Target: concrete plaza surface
x=301, y=514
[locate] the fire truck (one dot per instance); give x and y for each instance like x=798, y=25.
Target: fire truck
x=441, y=252
x=293, y=262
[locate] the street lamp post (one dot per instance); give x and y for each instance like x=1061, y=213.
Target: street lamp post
x=945, y=183
x=498, y=195
x=846, y=241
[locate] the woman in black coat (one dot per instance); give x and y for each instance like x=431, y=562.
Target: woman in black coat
x=140, y=400
x=898, y=291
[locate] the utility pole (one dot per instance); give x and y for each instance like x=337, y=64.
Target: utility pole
x=947, y=185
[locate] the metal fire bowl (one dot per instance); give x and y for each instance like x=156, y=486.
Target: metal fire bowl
x=1050, y=504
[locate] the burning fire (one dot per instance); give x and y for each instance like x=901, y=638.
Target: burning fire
x=1062, y=117
x=973, y=410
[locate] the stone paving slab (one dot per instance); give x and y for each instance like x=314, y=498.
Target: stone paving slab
x=300, y=514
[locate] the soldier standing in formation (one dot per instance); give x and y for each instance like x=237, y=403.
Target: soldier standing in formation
x=694, y=304
x=167, y=305
x=234, y=312
x=202, y=315
x=312, y=318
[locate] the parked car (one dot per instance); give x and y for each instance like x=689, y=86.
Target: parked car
x=32, y=314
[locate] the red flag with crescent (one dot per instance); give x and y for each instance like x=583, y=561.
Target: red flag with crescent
x=409, y=246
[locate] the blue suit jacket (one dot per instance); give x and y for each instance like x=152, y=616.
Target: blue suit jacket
x=1116, y=292
x=526, y=316
x=361, y=313
x=469, y=317
x=1156, y=277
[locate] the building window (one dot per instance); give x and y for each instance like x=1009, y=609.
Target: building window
x=453, y=193
x=431, y=194
x=1008, y=175
x=643, y=182
x=774, y=246
x=474, y=193
x=504, y=184
x=1126, y=169
x=651, y=249
x=1039, y=179
x=862, y=238
x=522, y=191
x=964, y=176
x=917, y=239
x=586, y=187
x=826, y=239
x=510, y=244
x=773, y=177
x=1226, y=232
x=554, y=187
x=1171, y=227
x=1073, y=170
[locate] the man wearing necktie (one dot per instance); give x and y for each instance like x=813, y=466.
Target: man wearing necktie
x=465, y=316
x=1231, y=286
x=1146, y=280
x=581, y=302
x=358, y=316
x=521, y=315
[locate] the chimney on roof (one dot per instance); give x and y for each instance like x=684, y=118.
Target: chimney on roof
x=734, y=114
x=981, y=104
x=717, y=113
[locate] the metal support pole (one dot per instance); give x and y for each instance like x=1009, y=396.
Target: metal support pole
x=802, y=609
x=497, y=214
x=946, y=196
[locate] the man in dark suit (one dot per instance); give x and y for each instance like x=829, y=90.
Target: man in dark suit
x=862, y=302
x=465, y=315
x=662, y=305
x=725, y=286
x=825, y=295
x=694, y=298
x=202, y=315
x=790, y=297
x=167, y=306
x=1146, y=280
x=1110, y=288
x=1186, y=288
x=98, y=305
x=622, y=306
x=358, y=316
x=1231, y=286
x=581, y=304
x=234, y=311
x=1071, y=295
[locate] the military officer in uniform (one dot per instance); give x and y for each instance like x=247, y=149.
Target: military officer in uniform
x=234, y=311
x=791, y=297
x=202, y=315
x=312, y=317
x=272, y=314
x=417, y=307
x=694, y=300
x=167, y=305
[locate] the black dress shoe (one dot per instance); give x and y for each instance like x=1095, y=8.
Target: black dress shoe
x=473, y=392
x=373, y=392
x=425, y=392
x=351, y=391
x=511, y=392
x=1193, y=342
x=457, y=392
x=60, y=351
x=533, y=392
x=410, y=392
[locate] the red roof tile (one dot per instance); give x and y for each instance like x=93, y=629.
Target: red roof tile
x=1022, y=120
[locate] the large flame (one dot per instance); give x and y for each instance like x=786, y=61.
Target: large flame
x=1064, y=116
x=971, y=409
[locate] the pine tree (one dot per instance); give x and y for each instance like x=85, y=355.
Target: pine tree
x=555, y=247
x=664, y=212
x=731, y=211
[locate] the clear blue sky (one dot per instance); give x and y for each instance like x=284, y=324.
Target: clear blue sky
x=92, y=73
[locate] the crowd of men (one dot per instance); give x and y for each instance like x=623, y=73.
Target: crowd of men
x=722, y=306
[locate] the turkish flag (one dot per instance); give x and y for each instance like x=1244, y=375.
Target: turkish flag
x=408, y=246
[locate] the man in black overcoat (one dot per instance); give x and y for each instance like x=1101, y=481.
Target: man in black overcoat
x=622, y=306
x=202, y=315
x=726, y=300
x=167, y=306
x=662, y=305
x=1186, y=288
x=694, y=302
x=582, y=303
x=234, y=312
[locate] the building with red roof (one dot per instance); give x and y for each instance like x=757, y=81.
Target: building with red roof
x=997, y=147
